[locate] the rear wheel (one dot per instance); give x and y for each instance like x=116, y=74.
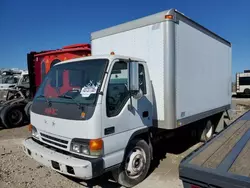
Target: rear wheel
x=12, y=115
x=247, y=91
x=136, y=164
x=208, y=131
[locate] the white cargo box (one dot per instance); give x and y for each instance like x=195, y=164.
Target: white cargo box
x=190, y=66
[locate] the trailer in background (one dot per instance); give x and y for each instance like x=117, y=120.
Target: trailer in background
x=243, y=83
x=14, y=109
x=39, y=63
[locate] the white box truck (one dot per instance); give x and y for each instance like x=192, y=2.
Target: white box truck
x=101, y=113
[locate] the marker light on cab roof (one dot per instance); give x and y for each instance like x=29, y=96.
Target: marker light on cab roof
x=112, y=53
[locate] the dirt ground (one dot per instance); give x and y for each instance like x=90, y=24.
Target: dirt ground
x=18, y=170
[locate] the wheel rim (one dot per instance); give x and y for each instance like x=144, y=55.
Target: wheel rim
x=15, y=116
x=135, y=163
x=209, y=132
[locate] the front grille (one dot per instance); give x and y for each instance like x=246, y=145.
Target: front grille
x=55, y=141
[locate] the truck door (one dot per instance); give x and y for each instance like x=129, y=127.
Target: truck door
x=119, y=120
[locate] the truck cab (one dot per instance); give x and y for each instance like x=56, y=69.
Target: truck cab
x=104, y=103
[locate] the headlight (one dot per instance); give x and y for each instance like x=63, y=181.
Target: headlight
x=34, y=132
x=80, y=148
x=87, y=147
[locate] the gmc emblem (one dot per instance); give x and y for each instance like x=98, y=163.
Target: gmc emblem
x=50, y=111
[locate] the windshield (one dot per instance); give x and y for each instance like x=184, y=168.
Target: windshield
x=79, y=81
x=8, y=79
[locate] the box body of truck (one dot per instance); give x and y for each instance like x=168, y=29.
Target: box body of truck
x=223, y=162
x=189, y=66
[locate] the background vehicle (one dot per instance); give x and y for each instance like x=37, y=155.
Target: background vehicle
x=16, y=103
x=39, y=63
x=9, y=79
x=243, y=83
x=115, y=106
x=223, y=162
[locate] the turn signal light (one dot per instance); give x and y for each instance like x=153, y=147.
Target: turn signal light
x=96, y=144
x=96, y=147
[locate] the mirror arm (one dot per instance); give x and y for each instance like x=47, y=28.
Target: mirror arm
x=130, y=106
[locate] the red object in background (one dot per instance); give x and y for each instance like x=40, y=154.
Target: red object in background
x=39, y=63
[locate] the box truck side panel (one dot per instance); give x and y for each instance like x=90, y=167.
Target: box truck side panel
x=203, y=73
x=145, y=42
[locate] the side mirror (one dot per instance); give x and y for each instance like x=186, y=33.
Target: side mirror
x=133, y=77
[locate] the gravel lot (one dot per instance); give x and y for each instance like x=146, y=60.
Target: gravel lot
x=18, y=170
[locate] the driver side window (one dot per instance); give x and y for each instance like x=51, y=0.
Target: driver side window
x=117, y=93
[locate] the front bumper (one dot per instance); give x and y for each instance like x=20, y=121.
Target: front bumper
x=87, y=168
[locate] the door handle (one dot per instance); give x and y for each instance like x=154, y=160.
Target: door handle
x=145, y=114
x=109, y=130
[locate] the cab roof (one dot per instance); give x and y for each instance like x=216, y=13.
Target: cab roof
x=109, y=57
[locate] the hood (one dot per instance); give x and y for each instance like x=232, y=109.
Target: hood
x=67, y=128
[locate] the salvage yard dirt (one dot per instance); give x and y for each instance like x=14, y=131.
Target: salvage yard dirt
x=18, y=170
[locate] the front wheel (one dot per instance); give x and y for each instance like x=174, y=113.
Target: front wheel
x=136, y=164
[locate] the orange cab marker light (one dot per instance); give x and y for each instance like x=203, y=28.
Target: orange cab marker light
x=96, y=144
x=169, y=17
x=83, y=114
x=30, y=127
x=112, y=53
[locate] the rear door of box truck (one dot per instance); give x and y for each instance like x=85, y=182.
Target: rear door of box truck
x=203, y=71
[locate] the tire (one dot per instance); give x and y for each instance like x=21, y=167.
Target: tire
x=12, y=115
x=208, y=131
x=247, y=91
x=126, y=174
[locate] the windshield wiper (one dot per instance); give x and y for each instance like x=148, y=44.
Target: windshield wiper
x=43, y=96
x=70, y=97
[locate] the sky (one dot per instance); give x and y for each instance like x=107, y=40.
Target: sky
x=32, y=25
